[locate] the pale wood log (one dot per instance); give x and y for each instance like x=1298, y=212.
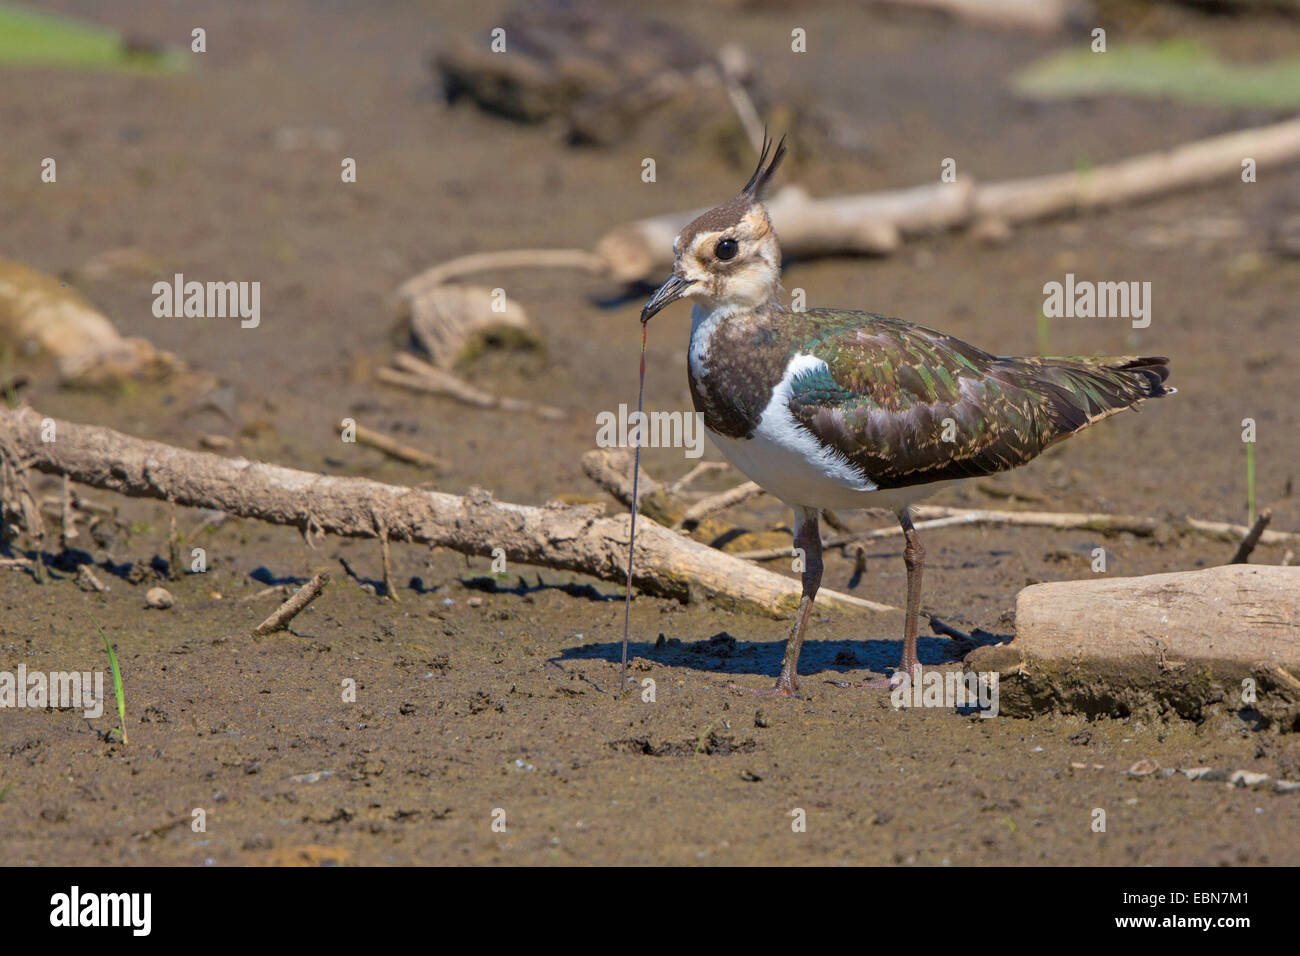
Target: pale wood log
x=556, y=536
x=1186, y=642
x=1235, y=613
x=877, y=223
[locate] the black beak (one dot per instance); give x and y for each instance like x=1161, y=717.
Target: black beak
x=665, y=295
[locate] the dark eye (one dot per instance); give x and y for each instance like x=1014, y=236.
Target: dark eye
x=726, y=249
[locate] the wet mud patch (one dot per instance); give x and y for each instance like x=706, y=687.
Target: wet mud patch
x=710, y=744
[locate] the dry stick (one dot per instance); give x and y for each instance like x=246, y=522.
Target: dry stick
x=937, y=516
x=67, y=523
x=719, y=502
x=1252, y=538
x=612, y=471
x=395, y=449
x=84, y=573
x=567, y=538
x=877, y=223
x=947, y=630
x=853, y=537
x=262, y=593
x=173, y=544
x=1235, y=532
x=418, y=376
x=21, y=494
x=287, y=611
x=701, y=470
x=730, y=65
x=603, y=469
x=507, y=259
x=384, y=553
x=1064, y=520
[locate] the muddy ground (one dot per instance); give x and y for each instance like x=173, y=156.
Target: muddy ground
x=473, y=696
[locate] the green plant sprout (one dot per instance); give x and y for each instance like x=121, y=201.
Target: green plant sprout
x=117, y=681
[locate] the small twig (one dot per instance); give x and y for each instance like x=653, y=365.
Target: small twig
x=859, y=561
x=611, y=469
x=395, y=449
x=1235, y=532
x=947, y=630
x=1063, y=520
x=701, y=470
x=731, y=66
x=1252, y=537
x=290, y=609
x=418, y=376
x=275, y=589
x=503, y=259
x=174, y=546
x=853, y=537
x=88, y=580
x=67, y=524
x=384, y=552
x=719, y=502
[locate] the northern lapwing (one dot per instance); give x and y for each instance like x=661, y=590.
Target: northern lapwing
x=840, y=409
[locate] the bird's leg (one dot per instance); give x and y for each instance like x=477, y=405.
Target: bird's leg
x=808, y=539
x=914, y=558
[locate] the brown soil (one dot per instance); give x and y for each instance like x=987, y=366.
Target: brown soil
x=474, y=697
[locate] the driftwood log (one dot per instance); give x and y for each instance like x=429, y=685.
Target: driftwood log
x=556, y=536
x=1184, y=641
x=878, y=222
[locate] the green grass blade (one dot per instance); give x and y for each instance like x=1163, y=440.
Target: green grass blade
x=1176, y=69
x=34, y=38
x=117, y=681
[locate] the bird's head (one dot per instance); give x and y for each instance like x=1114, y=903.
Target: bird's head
x=729, y=256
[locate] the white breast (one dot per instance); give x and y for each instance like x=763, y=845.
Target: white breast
x=788, y=460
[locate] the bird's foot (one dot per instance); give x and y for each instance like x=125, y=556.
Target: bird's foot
x=781, y=689
x=898, y=679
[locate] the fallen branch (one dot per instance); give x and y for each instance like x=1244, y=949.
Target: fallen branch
x=556, y=536
x=877, y=223
x=853, y=537
x=419, y=376
x=702, y=470
x=88, y=580
x=719, y=502
x=1237, y=532
x=287, y=611
x=395, y=449
x=422, y=284
x=1252, y=537
x=1063, y=520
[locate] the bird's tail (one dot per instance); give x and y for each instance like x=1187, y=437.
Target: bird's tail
x=1080, y=391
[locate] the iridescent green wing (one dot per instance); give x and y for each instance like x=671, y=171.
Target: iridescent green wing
x=909, y=405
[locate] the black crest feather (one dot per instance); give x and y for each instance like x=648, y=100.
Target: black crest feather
x=765, y=169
